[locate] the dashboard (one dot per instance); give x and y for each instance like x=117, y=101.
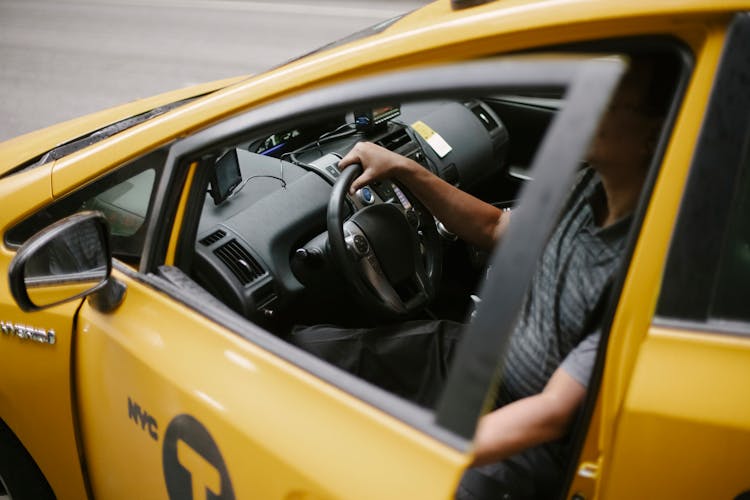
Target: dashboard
x=263, y=250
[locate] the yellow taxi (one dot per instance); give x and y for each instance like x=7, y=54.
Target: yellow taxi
x=158, y=254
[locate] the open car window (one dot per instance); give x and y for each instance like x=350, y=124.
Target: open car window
x=253, y=243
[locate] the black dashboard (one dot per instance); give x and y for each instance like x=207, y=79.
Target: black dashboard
x=264, y=247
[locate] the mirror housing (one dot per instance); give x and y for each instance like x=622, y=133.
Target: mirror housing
x=68, y=260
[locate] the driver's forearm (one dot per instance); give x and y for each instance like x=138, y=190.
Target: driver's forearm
x=468, y=217
x=516, y=427
x=529, y=421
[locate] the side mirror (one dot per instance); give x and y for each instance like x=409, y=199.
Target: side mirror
x=66, y=261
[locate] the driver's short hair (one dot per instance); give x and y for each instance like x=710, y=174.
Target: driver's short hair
x=660, y=72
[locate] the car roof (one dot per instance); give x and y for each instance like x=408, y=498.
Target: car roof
x=437, y=29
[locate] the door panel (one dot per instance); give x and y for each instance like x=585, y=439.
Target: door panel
x=685, y=428
x=154, y=389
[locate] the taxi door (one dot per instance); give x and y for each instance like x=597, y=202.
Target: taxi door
x=181, y=397
x=674, y=408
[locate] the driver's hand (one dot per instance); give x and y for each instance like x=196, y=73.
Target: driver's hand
x=377, y=163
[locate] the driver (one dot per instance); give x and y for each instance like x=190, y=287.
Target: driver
x=519, y=447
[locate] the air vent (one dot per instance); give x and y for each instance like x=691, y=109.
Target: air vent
x=394, y=140
x=213, y=238
x=240, y=262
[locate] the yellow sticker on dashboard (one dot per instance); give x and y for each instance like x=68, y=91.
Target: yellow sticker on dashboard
x=435, y=140
x=422, y=129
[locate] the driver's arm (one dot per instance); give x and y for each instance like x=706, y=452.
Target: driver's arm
x=468, y=217
x=529, y=421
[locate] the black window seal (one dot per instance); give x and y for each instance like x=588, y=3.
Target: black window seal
x=703, y=217
x=465, y=4
x=729, y=327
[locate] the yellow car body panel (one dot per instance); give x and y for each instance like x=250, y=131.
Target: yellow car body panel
x=35, y=396
x=685, y=428
x=179, y=216
x=112, y=354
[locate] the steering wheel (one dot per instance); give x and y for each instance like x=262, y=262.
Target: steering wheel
x=391, y=255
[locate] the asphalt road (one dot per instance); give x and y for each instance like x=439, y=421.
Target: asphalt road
x=60, y=59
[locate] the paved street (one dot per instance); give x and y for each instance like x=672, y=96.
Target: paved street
x=63, y=58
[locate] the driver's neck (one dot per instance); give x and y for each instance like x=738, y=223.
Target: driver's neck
x=622, y=188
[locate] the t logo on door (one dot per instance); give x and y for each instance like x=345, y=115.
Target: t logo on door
x=193, y=465
x=204, y=476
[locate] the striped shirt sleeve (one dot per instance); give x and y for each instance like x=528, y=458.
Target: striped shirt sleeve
x=579, y=363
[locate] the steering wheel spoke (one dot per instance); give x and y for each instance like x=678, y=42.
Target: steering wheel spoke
x=356, y=241
x=376, y=279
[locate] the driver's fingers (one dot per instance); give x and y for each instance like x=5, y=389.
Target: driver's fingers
x=349, y=159
x=353, y=156
x=364, y=179
x=361, y=153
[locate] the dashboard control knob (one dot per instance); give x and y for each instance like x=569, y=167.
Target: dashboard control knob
x=309, y=256
x=365, y=194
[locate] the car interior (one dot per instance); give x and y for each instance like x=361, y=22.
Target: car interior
x=266, y=243
x=262, y=243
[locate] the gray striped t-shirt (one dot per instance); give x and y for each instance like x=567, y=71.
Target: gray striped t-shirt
x=578, y=261
x=557, y=327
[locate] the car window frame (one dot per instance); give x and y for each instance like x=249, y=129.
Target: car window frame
x=459, y=80
x=692, y=266
x=153, y=160
x=685, y=58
